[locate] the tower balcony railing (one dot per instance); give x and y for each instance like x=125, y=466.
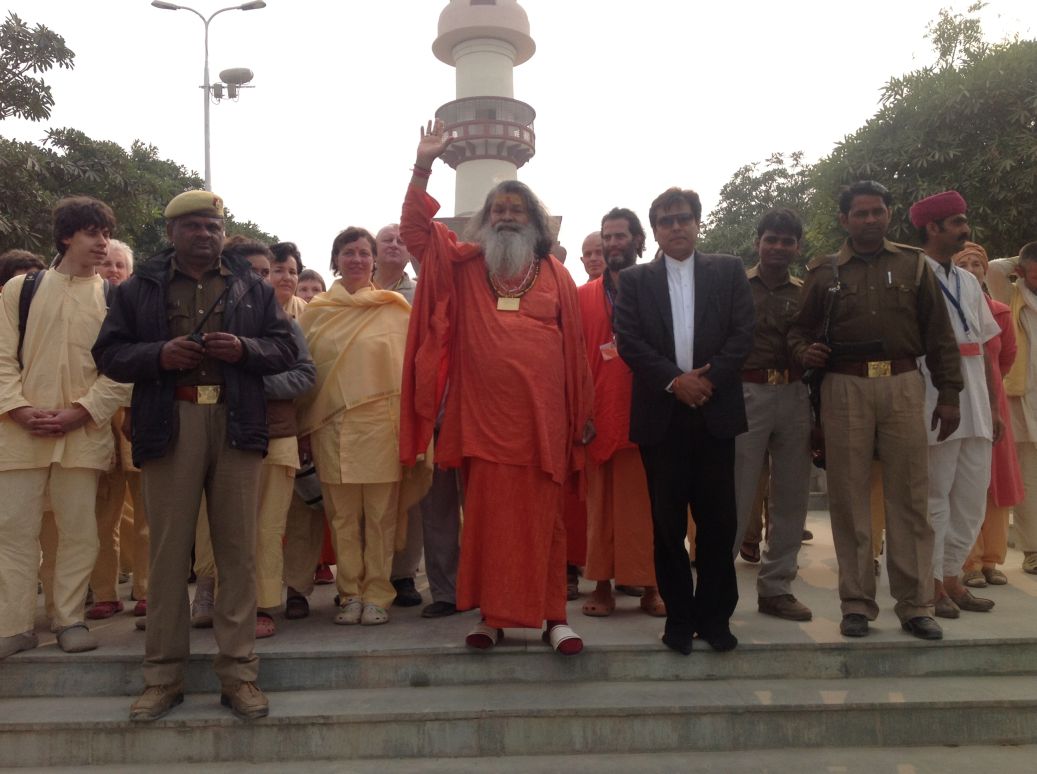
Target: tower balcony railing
x=489, y=128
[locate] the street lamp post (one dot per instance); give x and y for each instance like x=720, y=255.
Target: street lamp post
x=252, y=6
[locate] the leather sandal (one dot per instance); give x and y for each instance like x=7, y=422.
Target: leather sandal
x=265, y=626
x=653, y=604
x=483, y=637
x=296, y=606
x=973, y=604
x=750, y=552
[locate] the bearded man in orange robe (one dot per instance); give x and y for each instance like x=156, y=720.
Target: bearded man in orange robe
x=619, y=511
x=495, y=341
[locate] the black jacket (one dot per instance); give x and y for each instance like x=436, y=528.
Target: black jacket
x=723, y=337
x=128, y=346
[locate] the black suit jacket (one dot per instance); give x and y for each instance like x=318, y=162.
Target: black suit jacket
x=724, y=321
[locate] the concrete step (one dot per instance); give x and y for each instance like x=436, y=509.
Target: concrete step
x=505, y=718
x=529, y=662
x=878, y=760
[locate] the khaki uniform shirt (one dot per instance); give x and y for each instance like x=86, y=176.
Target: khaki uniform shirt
x=775, y=310
x=883, y=298
x=187, y=301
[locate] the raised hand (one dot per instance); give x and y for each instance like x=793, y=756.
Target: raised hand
x=433, y=142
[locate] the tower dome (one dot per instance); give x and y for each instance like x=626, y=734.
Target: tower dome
x=470, y=19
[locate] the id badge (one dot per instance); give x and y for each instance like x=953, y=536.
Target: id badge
x=608, y=350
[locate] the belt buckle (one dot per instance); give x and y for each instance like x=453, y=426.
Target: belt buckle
x=878, y=368
x=208, y=394
x=776, y=377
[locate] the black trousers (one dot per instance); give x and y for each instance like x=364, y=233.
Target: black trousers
x=692, y=468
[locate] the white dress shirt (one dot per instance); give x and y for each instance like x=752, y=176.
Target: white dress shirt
x=680, y=276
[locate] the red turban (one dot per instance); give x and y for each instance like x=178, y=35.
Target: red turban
x=936, y=207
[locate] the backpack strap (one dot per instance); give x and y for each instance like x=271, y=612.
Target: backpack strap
x=28, y=292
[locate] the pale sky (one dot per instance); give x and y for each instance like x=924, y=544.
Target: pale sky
x=631, y=97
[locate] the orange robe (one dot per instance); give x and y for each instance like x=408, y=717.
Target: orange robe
x=619, y=512
x=519, y=396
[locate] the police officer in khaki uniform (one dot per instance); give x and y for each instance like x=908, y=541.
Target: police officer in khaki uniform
x=886, y=312
x=195, y=330
x=778, y=412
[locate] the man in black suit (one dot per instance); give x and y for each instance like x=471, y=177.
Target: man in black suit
x=684, y=325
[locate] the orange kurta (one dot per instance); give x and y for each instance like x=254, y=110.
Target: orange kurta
x=619, y=513
x=519, y=396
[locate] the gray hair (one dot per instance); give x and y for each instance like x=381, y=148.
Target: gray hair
x=538, y=217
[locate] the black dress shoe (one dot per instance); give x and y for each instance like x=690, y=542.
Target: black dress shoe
x=923, y=627
x=439, y=610
x=721, y=642
x=406, y=594
x=677, y=643
x=854, y=625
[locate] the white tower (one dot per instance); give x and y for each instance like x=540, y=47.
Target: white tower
x=484, y=40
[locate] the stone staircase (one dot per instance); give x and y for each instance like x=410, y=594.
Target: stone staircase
x=409, y=691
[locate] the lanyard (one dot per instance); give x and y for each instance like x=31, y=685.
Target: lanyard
x=955, y=299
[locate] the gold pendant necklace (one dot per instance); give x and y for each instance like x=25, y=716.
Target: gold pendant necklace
x=509, y=299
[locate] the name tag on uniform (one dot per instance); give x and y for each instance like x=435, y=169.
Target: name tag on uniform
x=608, y=350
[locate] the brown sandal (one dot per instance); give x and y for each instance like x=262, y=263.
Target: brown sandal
x=653, y=605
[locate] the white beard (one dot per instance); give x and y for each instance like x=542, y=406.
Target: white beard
x=507, y=251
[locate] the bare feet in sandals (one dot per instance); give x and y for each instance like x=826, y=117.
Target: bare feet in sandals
x=601, y=602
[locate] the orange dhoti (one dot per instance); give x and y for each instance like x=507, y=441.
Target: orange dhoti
x=575, y=518
x=512, y=563
x=619, y=521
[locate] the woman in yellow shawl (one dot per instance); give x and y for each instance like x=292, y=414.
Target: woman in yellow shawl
x=357, y=335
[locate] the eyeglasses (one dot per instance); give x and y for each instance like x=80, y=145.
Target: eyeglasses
x=680, y=218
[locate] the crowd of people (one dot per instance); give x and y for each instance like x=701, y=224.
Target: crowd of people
x=218, y=414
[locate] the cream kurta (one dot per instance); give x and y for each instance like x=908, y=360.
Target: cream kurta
x=64, y=320
x=1023, y=408
x=974, y=400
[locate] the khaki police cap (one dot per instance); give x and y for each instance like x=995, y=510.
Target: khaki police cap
x=195, y=203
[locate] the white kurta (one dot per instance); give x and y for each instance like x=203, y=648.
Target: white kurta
x=975, y=400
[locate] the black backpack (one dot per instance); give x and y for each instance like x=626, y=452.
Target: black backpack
x=28, y=292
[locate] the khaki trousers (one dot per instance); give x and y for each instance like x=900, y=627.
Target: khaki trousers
x=1025, y=513
x=861, y=416
x=779, y=425
x=959, y=476
x=201, y=460
x=405, y=562
x=71, y=492
x=304, y=537
x=363, y=524
x=138, y=521
x=111, y=494
x=276, y=484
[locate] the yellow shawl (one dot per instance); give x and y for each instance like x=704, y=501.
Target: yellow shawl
x=357, y=342
x=1015, y=379
x=295, y=307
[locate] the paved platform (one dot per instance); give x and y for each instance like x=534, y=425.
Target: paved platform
x=1014, y=617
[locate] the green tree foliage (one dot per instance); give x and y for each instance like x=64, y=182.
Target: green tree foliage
x=780, y=181
x=968, y=123
x=24, y=53
x=136, y=184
